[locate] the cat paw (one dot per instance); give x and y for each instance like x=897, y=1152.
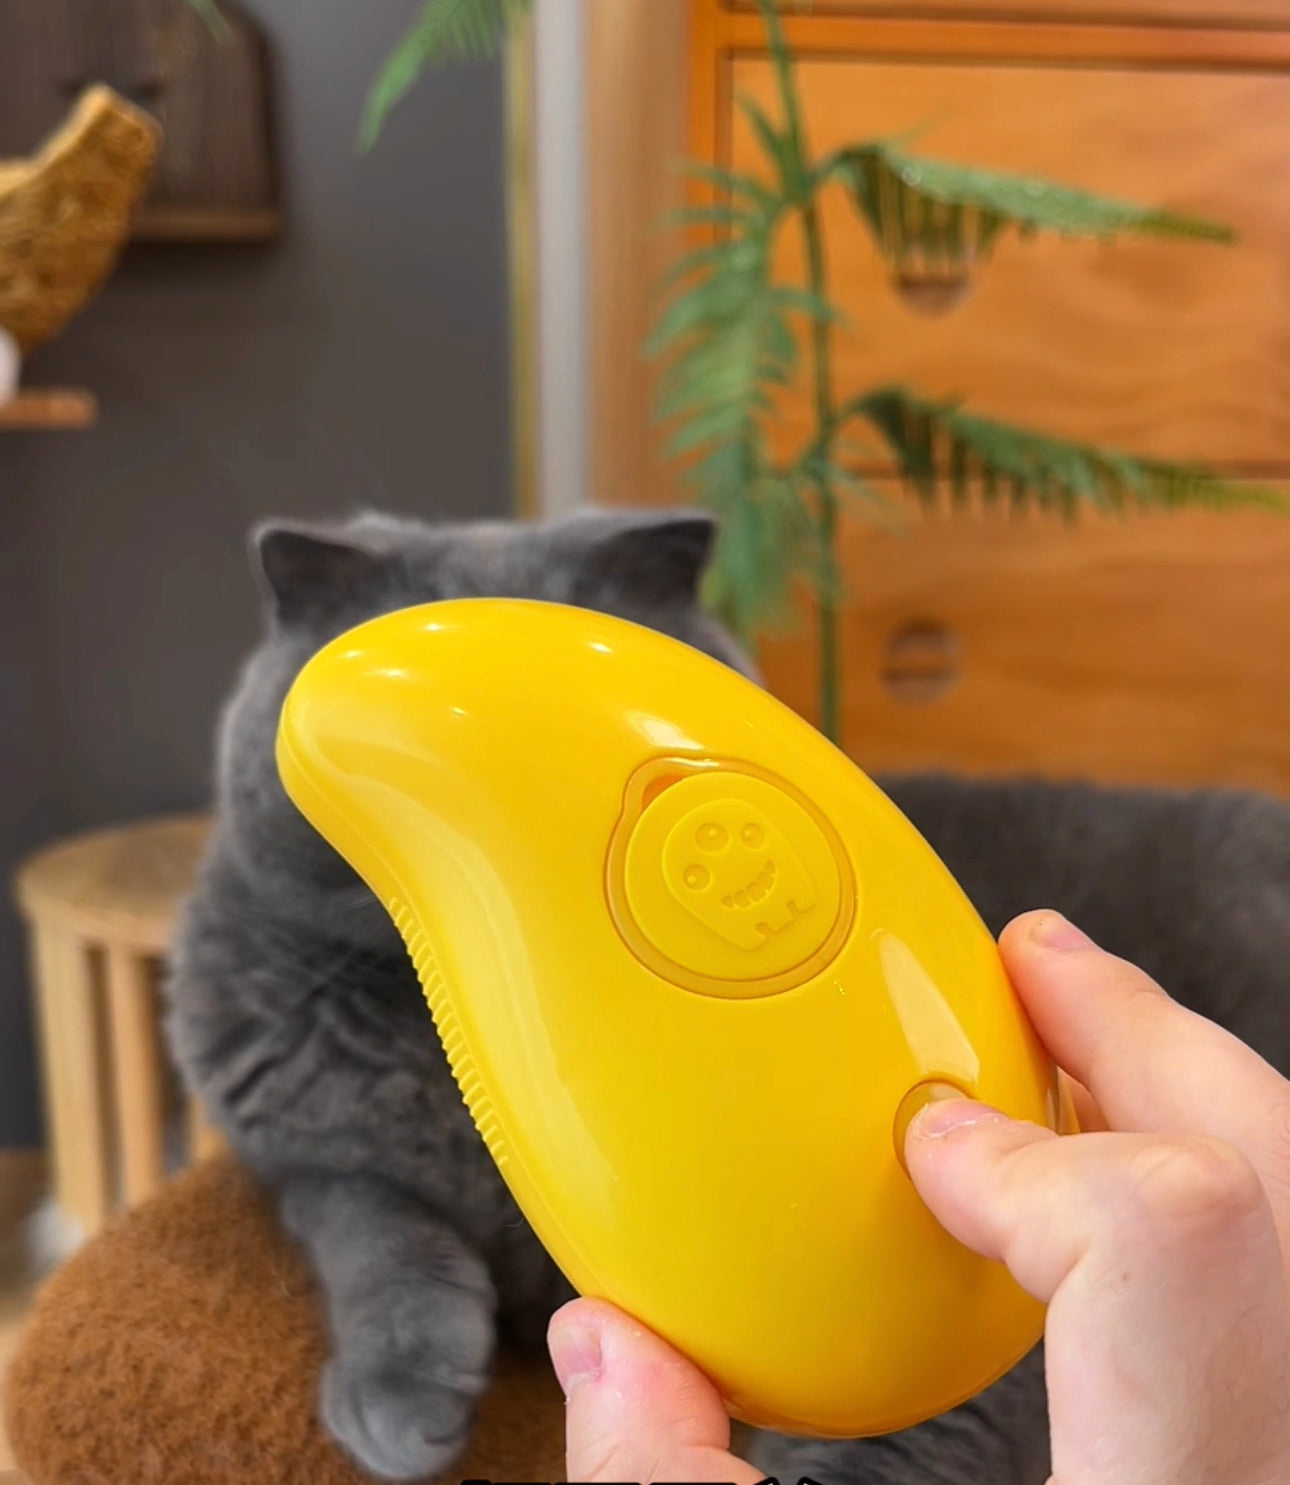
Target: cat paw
x=397, y=1427
x=404, y=1411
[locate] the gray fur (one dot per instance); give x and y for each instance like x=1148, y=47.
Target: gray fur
x=297, y=1017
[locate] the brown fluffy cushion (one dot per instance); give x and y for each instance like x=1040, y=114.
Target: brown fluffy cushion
x=182, y=1346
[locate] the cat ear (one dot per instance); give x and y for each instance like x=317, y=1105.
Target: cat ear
x=657, y=556
x=310, y=575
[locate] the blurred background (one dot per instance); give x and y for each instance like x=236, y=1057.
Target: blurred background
x=354, y=352
x=246, y=314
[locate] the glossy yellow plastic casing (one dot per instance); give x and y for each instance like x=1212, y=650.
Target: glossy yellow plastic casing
x=687, y=963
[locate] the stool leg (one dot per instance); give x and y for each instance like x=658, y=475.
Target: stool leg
x=204, y=1139
x=138, y=1086
x=72, y=1051
x=44, y=957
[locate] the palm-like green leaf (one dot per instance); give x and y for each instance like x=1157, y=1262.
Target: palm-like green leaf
x=732, y=183
x=819, y=471
x=727, y=335
x=768, y=538
x=776, y=145
x=445, y=31
x=950, y=216
x=214, y=18
x=938, y=446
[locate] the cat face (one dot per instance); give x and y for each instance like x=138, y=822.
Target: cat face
x=321, y=581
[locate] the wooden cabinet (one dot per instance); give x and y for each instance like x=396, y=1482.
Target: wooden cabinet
x=1154, y=648
x=1176, y=350
x=1176, y=12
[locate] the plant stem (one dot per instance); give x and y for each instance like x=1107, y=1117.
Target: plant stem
x=826, y=417
x=806, y=190
x=783, y=59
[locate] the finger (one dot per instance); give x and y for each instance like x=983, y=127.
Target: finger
x=1160, y=1263
x=1149, y=1064
x=636, y=1410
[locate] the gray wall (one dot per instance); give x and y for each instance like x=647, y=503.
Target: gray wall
x=363, y=360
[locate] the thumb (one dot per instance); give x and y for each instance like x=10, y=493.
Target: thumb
x=636, y=1410
x=1168, y=1349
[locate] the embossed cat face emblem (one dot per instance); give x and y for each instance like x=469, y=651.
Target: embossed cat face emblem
x=735, y=870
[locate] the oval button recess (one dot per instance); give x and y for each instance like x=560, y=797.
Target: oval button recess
x=730, y=886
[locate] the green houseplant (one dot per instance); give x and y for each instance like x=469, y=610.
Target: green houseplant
x=731, y=355
x=728, y=341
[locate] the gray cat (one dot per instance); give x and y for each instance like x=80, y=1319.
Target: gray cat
x=296, y=1015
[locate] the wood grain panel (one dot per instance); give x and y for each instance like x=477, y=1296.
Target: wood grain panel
x=1180, y=350
x=1068, y=42
x=637, y=142
x=1181, y=12
x=1151, y=650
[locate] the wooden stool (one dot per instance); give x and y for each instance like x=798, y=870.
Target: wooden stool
x=100, y=911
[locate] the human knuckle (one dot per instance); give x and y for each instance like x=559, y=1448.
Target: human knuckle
x=601, y=1457
x=1186, y=1185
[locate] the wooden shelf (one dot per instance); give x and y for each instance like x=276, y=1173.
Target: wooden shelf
x=51, y=409
x=216, y=225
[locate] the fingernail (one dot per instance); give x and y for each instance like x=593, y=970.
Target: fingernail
x=1055, y=932
x=913, y=1104
x=575, y=1355
x=936, y=1120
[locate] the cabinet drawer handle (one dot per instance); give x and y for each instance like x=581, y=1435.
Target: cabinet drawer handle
x=930, y=292
x=921, y=662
